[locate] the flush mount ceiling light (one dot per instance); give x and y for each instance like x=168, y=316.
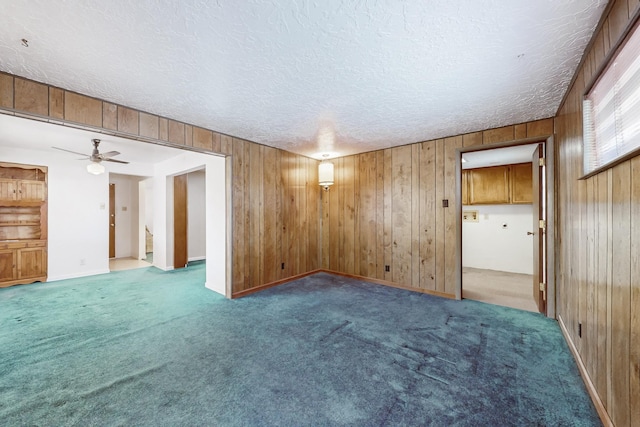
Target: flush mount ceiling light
x=325, y=173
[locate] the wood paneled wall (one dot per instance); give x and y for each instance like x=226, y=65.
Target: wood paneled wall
x=598, y=246
x=275, y=195
x=385, y=209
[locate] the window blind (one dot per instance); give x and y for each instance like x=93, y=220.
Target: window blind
x=611, y=109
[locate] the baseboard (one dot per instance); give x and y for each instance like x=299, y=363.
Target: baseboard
x=196, y=258
x=351, y=276
x=271, y=284
x=593, y=393
x=75, y=276
x=390, y=284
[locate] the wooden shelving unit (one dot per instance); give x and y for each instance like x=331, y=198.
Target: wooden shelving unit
x=23, y=224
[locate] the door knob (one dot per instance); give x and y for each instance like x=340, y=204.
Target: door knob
x=530, y=233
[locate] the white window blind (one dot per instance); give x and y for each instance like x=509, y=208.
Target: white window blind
x=612, y=108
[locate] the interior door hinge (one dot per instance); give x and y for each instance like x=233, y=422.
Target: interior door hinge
x=542, y=224
x=542, y=161
x=543, y=289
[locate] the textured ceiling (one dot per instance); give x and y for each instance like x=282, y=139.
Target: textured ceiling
x=309, y=76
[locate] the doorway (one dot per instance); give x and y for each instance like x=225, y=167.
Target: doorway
x=127, y=217
x=496, y=231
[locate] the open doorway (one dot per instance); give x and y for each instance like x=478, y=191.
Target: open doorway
x=498, y=224
x=128, y=219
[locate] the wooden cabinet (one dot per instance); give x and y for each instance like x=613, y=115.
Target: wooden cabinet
x=22, y=262
x=489, y=186
x=509, y=184
x=19, y=190
x=23, y=224
x=521, y=183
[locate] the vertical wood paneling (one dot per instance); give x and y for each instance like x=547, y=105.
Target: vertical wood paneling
x=357, y=202
x=348, y=233
x=176, y=132
x=388, y=236
x=618, y=19
x=597, y=256
x=600, y=282
x=427, y=216
x=303, y=223
x=313, y=215
x=202, y=138
x=256, y=214
x=216, y=142
x=440, y=235
x=6, y=91
x=226, y=144
x=188, y=135
x=334, y=219
x=82, y=109
x=401, y=192
x=109, y=116
x=502, y=134
x=621, y=292
x=163, y=129
x=415, y=216
x=471, y=139
x=380, y=213
x=520, y=131
x=542, y=127
x=450, y=145
x=56, y=102
x=634, y=301
x=31, y=97
x=271, y=256
x=239, y=213
x=128, y=120
x=149, y=125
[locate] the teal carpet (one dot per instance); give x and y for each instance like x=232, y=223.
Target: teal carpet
x=151, y=348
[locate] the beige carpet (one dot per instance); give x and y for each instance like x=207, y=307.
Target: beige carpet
x=499, y=287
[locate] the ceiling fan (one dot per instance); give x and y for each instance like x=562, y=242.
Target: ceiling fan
x=96, y=157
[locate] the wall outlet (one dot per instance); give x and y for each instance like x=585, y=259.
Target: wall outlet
x=387, y=268
x=83, y=261
x=282, y=266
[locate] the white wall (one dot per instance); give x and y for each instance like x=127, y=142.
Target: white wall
x=215, y=207
x=196, y=211
x=487, y=244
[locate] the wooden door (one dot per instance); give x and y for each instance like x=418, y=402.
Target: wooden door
x=112, y=220
x=539, y=285
x=180, y=221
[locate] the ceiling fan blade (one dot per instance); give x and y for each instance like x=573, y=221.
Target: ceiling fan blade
x=69, y=151
x=115, y=161
x=109, y=154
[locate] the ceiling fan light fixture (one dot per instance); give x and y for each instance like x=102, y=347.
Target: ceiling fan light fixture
x=95, y=168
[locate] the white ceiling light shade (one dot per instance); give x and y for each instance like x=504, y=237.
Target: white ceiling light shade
x=95, y=168
x=325, y=174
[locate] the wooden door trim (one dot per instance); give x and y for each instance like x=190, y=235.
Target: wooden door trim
x=550, y=195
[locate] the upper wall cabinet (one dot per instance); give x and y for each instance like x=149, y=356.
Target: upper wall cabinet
x=21, y=190
x=521, y=183
x=510, y=184
x=488, y=186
